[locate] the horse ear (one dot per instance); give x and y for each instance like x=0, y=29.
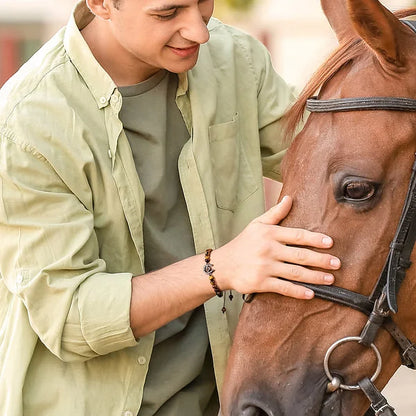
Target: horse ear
x=379, y=28
x=339, y=18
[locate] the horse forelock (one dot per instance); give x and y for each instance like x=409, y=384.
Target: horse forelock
x=346, y=53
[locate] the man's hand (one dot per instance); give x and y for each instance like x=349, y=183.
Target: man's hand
x=255, y=261
x=265, y=251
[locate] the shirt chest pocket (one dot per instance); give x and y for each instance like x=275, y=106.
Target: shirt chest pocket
x=233, y=176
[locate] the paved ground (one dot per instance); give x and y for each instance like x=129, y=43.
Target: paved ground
x=401, y=392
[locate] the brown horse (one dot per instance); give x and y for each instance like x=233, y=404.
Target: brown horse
x=348, y=172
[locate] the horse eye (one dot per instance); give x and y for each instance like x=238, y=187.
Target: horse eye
x=356, y=190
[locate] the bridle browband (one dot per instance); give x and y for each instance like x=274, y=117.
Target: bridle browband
x=360, y=104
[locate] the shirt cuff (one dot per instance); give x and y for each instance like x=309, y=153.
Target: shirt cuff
x=104, y=308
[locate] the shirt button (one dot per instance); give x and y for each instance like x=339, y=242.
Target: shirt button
x=141, y=360
x=114, y=98
x=128, y=413
x=103, y=100
x=19, y=278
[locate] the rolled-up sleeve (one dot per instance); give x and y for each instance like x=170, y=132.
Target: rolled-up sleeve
x=50, y=258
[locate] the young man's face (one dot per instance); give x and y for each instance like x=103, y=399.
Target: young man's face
x=161, y=33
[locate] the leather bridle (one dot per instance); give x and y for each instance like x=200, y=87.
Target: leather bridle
x=383, y=299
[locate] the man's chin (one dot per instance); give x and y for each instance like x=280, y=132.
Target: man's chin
x=182, y=67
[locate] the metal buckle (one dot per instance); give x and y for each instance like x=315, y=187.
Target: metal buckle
x=377, y=412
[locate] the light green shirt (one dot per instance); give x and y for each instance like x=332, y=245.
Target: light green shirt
x=71, y=212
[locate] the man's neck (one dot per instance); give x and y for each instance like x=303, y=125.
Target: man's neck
x=122, y=68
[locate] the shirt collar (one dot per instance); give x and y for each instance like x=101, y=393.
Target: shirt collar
x=182, y=84
x=98, y=81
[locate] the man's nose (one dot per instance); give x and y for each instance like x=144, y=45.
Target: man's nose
x=195, y=28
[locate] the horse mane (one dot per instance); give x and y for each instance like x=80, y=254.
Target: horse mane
x=343, y=55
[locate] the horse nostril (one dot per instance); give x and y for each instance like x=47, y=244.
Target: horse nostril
x=254, y=411
x=331, y=406
x=256, y=404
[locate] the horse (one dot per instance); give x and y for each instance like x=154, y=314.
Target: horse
x=348, y=171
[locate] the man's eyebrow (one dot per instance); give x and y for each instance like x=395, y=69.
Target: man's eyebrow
x=165, y=8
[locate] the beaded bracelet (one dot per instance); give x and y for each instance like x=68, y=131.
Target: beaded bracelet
x=209, y=270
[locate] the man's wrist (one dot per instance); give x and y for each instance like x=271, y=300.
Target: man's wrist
x=209, y=270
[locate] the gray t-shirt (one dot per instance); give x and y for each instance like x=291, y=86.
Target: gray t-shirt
x=180, y=380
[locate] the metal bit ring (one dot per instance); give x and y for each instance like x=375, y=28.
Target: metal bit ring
x=337, y=344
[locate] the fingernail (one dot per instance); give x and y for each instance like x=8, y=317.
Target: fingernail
x=284, y=198
x=327, y=241
x=329, y=278
x=309, y=294
x=335, y=262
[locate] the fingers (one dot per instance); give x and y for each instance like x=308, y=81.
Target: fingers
x=306, y=257
x=301, y=237
x=276, y=213
x=292, y=236
x=286, y=288
x=302, y=274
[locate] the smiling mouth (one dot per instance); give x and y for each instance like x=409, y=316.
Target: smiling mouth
x=185, y=52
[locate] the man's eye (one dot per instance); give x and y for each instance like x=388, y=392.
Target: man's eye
x=167, y=16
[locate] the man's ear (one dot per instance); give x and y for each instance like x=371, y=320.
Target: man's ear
x=100, y=8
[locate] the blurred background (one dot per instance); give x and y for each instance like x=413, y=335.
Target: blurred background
x=295, y=32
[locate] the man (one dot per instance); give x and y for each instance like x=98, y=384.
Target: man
x=134, y=139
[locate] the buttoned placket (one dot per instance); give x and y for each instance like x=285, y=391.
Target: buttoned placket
x=203, y=234
x=124, y=172
x=131, y=195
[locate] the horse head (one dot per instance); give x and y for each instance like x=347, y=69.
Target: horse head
x=348, y=172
